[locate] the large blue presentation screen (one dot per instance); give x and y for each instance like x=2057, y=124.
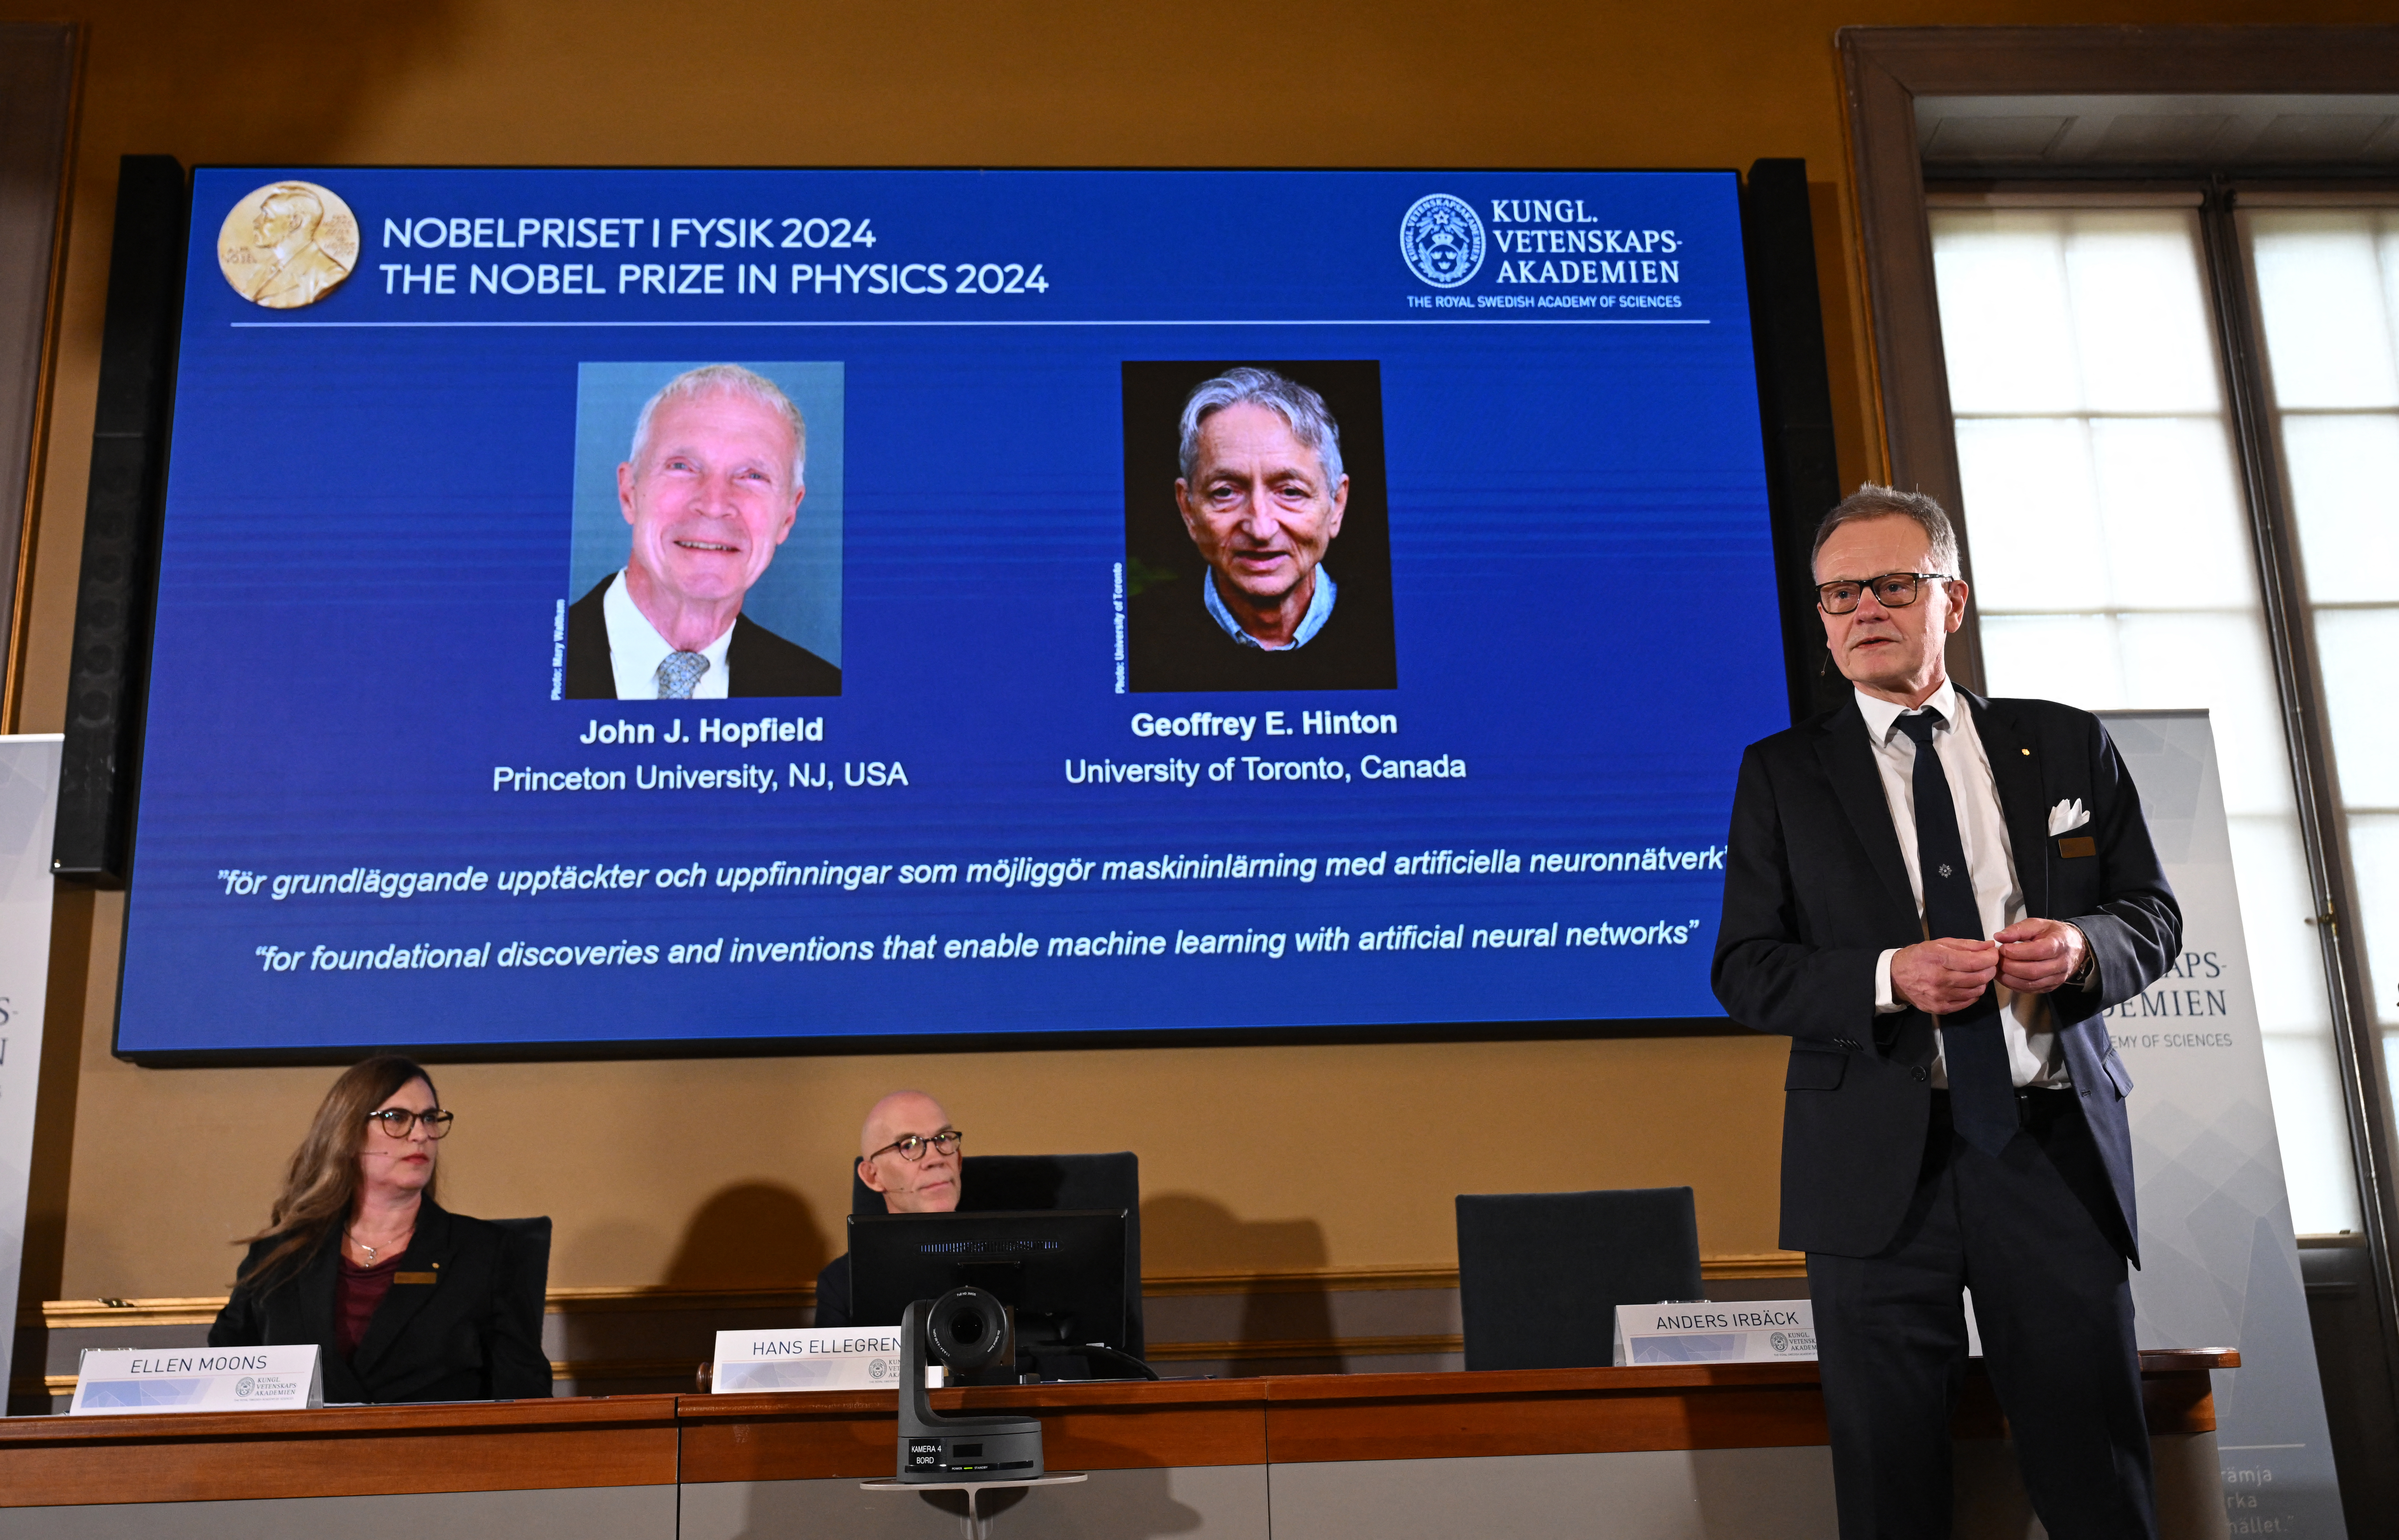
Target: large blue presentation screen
x=663, y=607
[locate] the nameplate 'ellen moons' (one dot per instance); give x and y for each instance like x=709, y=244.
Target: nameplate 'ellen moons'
x=828, y=1358
x=1708, y=1332
x=2080, y=844
x=116, y=1380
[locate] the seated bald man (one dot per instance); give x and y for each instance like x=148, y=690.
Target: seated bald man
x=908, y=1153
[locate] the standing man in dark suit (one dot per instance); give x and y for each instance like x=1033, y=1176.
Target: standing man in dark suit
x=714, y=486
x=1936, y=896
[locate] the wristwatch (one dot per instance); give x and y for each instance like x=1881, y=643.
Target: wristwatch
x=2086, y=973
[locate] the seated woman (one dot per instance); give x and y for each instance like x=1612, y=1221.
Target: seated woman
x=409, y=1302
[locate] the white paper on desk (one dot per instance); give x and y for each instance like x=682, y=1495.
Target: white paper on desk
x=1707, y=1331
x=117, y=1381
x=820, y=1358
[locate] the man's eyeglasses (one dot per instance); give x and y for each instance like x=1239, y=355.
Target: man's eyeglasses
x=1893, y=591
x=913, y=1147
x=396, y=1121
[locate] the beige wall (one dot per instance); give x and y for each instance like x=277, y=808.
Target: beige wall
x=734, y=1170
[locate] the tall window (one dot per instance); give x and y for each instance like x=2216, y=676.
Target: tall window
x=2114, y=564
x=2327, y=285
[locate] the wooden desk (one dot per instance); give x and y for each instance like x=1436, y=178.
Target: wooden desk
x=604, y=1468
x=1696, y=1451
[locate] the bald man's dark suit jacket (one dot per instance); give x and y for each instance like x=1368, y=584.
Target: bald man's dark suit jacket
x=1815, y=890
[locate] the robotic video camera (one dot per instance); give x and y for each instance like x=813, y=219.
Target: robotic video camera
x=966, y=1331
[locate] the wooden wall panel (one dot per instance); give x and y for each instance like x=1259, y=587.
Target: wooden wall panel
x=734, y=1173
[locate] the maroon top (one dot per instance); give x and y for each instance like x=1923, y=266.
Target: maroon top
x=354, y=1298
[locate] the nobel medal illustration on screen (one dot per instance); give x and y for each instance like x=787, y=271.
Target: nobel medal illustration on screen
x=287, y=244
x=704, y=486
x=1256, y=551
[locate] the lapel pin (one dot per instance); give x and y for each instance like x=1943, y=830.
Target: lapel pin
x=2027, y=753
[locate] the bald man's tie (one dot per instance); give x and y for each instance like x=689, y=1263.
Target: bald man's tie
x=1982, y=1093
x=679, y=674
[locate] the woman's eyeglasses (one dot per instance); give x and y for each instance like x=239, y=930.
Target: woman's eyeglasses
x=396, y=1121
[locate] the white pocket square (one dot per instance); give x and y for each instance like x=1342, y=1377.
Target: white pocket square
x=2068, y=815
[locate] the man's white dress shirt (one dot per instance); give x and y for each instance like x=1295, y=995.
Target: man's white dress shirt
x=2024, y=1020
x=635, y=650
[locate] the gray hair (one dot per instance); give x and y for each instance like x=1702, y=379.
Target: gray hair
x=728, y=380
x=1302, y=410
x=1872, y=501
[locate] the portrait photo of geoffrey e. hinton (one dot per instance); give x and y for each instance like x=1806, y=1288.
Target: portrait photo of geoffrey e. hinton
x=1257, y=547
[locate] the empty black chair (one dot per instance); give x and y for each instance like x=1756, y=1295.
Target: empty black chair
x=999, y=1183
x=529, y=1293
x=1539, y=1274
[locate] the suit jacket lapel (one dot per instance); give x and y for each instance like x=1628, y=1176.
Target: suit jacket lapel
x=1849, y=763
x=2017, y=775
x=428, y=1249
x=740, y=654
x=591, y=668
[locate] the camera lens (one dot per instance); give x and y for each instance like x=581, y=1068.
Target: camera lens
x=968, y=1330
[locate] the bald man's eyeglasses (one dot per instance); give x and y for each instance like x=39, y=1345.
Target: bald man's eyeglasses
x=913, y=1147
x=1893, y=591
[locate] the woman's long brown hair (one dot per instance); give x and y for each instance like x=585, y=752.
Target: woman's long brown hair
x=323, y=1178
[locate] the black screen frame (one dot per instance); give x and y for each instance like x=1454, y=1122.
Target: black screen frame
x=1795, y=420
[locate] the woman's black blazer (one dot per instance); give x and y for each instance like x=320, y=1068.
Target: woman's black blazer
x=471, y=1334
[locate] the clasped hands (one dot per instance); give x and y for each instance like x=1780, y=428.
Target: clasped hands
x=2031, y=957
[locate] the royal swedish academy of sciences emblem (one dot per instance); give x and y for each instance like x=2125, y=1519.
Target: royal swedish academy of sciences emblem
x=1441, y=241
x=287, y=244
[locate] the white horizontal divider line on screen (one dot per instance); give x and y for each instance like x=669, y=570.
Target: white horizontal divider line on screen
x=1462, y=321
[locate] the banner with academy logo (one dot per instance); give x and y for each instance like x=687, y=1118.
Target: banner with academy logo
x=29, y=795
x=2219, y=1265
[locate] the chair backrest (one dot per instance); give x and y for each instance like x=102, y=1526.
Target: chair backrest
x=530, y=1295
x=1539, y=1274
x=995, y=1183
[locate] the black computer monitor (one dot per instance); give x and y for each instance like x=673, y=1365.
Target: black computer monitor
x=1061, y=1270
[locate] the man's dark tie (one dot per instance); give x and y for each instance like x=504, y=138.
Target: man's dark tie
x=1982, y=1093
